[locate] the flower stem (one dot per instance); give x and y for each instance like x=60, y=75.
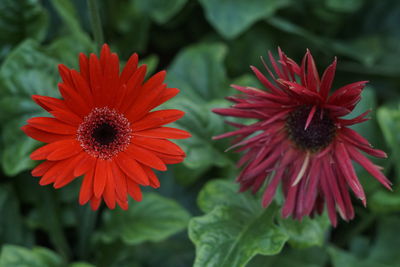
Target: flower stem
x=87, y=225
x=95, y=21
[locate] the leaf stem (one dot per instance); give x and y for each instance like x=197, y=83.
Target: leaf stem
x=95, y=22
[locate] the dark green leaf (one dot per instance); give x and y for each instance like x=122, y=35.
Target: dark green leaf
x=232, y=17
x=68, y=15
x=155, y=218
x=235, y=229
x=199, y=72
x=19, y=20
x=310, y=257
x=12, y=256
x=307, y=233
x=26, y=71
x=383, y=251
x=159, y=10
x=12, y=228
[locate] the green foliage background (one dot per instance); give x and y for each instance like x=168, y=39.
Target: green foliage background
x=196, y=217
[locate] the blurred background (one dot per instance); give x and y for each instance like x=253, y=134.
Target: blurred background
x=196, y=217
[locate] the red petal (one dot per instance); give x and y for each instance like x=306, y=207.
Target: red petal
x=49, y=103
x=64, y=150
x=327, y=79
x=134, y=190
x=157, y=118
x=132, y=169
x=86, y=191
x=43, y=136
x=159, y=145
x=146, y=157
x=344, y=163
x=164, y=132
x=63, y=145
x=74, y=100
x=369, y=166
x=120, y=182
x=109, y=190
x=100, y=177
x=51, y=125
x=129, y=68
x=95, y=203
x=85, y=165
x=154, y=182
x=84, y=66
x=42, y=168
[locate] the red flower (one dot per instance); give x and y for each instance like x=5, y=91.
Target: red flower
x=301, y=140
x=104, y=128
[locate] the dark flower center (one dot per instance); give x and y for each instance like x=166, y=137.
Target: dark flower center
x=104, y=133
x=319, y=133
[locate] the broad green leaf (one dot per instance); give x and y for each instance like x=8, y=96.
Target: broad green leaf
x=389, y=122
x=81, y=264
x=66, y=50
x=155, y=218
x=235, y=229
x=232, y=17
x=151, y=63
x=67, y=12
x=382, y=252
x=177, y=251
x=368, y=129
x=12, y=228
x=199, y=72
x=344, y=5
x=245, y=52
x=307, y=233
x=12, y=256
x=383, y=202
x=310, y=257
x=159, y=10
x=26, y=71
x=19, y=20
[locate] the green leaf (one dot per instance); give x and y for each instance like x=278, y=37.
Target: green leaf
x=344, y=5
x=26, y=71
x=19, y=20
x=235, y=229
x=307, y=233
x=81, y=264
x=151, y=63
x=199, y=71
x=232, y=17
x=155, y=218
x=12, y=256
x=159, y=10
x=382, y=252
x=389, y=122
x=12, y=228
x=68, y=14
x=289, y=257
x=383, y=202
x=368, y=129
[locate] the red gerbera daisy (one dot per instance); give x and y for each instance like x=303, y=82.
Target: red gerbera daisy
x=104, y=129
x=301, y=139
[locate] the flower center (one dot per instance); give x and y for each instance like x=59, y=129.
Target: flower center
x=104, y=133
x=319, y=133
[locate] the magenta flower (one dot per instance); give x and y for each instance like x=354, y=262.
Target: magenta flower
x=301, y=140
